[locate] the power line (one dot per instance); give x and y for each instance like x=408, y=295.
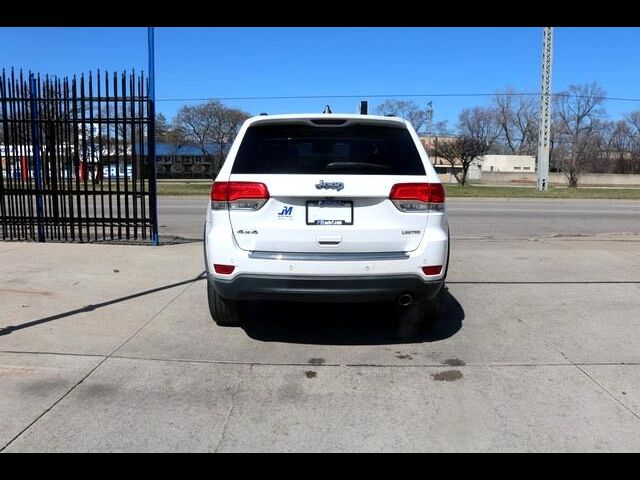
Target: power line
x=410, y=95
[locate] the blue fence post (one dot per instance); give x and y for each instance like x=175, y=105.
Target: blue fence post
x=37, y=161
x=151, y=140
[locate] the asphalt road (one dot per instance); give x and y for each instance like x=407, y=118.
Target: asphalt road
x=468, y=217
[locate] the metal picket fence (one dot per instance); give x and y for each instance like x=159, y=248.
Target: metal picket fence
x=74, y=158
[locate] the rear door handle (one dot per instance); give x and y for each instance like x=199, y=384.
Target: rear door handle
x=329, y=241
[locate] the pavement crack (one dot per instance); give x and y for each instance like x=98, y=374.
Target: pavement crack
x=578, y=366
x=12, y=249
x=230, y=412
x=100, y=363
x=142, y=327
x=253, y=363
x=602, y=387
x=62, y=354
x=53, y=405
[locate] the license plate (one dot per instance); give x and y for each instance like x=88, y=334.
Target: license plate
x=330, y=212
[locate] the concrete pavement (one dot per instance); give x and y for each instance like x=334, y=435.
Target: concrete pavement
x=111, y=348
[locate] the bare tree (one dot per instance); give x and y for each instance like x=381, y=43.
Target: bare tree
x=461, y=151
x=619, y=145
x=169, y=133
x=440, y=128
x=633, y=121
x=175, y=137
x=579, y=114
x=230, y=121
x=210, y=125
x=162, y=128
x=479, y=123
x=420, y=118
x=517, y=119
x=198, y=123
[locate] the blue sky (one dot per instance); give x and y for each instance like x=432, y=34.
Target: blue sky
x=245, y=62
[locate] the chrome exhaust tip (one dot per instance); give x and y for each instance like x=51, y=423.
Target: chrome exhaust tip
x=405, y=300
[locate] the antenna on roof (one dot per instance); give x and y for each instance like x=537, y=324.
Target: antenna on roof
x=327, y=109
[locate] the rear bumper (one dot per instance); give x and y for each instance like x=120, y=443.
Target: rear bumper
x=325, y=289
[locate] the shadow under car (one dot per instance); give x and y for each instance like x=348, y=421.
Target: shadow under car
x=350, y=323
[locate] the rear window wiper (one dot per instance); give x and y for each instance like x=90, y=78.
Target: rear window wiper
x=356, y=166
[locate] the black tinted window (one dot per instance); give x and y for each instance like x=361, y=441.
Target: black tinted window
x=354, y=149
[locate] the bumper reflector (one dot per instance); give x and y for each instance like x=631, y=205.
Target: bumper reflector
x=223, y=269
x=432, y=270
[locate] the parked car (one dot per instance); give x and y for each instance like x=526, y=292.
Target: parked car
x=325, y=208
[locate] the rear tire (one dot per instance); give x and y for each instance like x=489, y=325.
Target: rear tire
x=225, y=312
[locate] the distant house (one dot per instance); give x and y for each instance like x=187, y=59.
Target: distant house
x=175, y=161
x=428, y=142
x=486, y=163
x=172, y=161
x=508, y=163
x=186, y=161
x=443, y=167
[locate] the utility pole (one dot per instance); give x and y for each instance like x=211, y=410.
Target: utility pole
x=544, y=135
x=430, y=119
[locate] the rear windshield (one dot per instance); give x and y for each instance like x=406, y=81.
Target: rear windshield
x=305, y=149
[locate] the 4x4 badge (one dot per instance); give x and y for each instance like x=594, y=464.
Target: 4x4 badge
x=330, y=185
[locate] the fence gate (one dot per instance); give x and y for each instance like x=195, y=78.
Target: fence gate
x=74, y=158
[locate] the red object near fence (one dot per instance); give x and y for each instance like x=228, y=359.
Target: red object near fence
x=24, y=169
x=83, y=171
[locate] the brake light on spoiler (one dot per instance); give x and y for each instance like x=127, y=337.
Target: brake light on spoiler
x=238, y=195
x=418, y=197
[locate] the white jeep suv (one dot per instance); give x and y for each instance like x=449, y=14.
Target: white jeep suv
x=325, y=207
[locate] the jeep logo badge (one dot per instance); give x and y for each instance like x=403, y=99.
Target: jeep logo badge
x=330, y=185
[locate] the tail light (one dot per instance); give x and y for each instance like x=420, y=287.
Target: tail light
x=418, y=197
x=238, y=195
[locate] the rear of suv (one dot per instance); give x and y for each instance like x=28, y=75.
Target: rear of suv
x=325, y=208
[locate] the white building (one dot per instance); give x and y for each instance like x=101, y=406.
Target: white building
x=508, y=163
